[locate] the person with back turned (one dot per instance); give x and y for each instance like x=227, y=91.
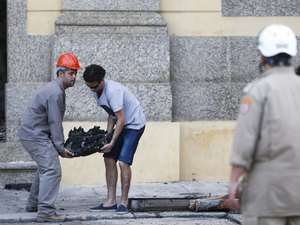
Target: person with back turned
x=266, y=147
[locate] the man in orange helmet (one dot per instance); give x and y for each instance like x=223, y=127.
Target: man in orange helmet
x=41, y=134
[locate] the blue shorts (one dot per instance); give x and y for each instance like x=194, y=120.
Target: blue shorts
x=126, y=145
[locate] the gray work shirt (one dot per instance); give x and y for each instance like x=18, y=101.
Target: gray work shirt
x=267, y=144
x=42, y=120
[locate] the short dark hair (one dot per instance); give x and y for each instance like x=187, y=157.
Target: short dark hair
x=93, y=73
x=281, y=59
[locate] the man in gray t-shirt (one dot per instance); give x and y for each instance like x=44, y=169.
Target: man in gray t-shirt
x=126, y=118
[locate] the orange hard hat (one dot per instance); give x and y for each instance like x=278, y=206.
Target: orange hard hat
x=68, y=60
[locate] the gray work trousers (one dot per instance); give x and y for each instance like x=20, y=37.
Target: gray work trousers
x=45, y=186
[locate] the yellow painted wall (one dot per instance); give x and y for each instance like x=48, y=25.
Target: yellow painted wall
x=156, y=159
x=167, y=152
x=41, y=16
x=184, y=18
x=204, y=149
x=204, y=18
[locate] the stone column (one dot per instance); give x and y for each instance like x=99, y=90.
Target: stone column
x=129, y=39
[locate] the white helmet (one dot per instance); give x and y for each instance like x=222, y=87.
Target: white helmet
x=275, y=39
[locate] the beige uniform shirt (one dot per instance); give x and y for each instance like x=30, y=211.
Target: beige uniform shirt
x=267, y=144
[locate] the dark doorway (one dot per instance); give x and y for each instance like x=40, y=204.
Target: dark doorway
x=3, y=66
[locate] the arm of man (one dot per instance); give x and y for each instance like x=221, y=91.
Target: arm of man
x=244, y=145
x=118, y=129
x=55, y=118
x=234, y=187
x=110, y=124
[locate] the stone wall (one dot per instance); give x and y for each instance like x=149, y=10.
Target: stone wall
x=260, y=8
x=175, y=78
x=209, y=73
x=128, y=38
x=132, y=45
x=206, y=73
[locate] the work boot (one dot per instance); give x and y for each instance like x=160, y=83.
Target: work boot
x=31, y=208
x=52, y=218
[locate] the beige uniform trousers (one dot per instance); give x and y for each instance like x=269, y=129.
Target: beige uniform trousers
x=271, y=220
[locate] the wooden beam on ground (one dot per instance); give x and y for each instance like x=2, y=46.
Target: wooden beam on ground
x=217, y=203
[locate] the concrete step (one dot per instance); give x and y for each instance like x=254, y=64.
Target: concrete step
x=16, y=172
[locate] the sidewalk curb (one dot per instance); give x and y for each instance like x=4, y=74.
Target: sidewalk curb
x=30, y=217
x=236, y=218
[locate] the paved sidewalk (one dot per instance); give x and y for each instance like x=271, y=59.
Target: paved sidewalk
x=75, y=201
